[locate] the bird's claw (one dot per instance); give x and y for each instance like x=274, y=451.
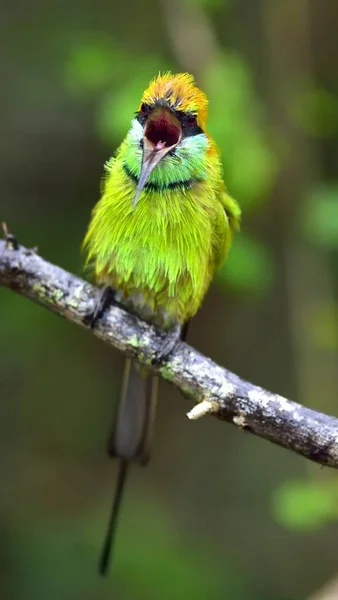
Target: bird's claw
x=106, y=297
x=168, y=344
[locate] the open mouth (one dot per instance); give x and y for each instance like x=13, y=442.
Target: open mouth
x=163, y=130
x=161, y=133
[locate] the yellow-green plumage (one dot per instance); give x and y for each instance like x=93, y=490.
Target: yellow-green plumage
x=162, y=255
x=162, y=227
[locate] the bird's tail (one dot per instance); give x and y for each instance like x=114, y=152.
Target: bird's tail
x=131, y=437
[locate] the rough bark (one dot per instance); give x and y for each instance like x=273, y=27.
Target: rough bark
x=216, y=390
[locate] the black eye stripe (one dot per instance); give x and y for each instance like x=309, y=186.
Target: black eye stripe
x=187, y=119
x=180, y=114
x=189, y=123
x=145, y=108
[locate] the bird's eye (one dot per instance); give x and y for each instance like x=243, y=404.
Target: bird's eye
x=144, y=108
x=191, y=120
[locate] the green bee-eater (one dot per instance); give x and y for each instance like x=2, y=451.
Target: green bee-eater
x=162, y=227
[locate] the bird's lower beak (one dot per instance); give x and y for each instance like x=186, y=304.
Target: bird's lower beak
x=161, y=134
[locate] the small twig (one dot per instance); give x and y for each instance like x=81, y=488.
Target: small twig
x=11, y=241
x=205, y=407
x=223, y=394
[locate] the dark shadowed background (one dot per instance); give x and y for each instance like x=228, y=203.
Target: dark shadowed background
x=217, y=514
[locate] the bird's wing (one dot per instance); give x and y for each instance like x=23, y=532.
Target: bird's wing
x=228, y=221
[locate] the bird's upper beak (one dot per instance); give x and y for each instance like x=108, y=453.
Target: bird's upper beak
x=162, y=132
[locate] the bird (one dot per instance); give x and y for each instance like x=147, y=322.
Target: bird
x=162, y=227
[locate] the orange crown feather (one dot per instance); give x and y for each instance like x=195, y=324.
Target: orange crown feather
x=181, y=93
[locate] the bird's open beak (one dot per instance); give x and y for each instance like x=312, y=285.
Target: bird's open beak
x=161, y=134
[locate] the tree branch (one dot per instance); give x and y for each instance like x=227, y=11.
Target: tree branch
x=218, y=391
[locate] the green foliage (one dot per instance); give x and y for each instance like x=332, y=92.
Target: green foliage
x=249, y=267
x=93, y=63
x=319, y=216
x=305, y=505
x=316, y=111
x=237, y=123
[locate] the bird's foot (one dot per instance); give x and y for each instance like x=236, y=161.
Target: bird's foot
x=106, y=297
x=172, y=337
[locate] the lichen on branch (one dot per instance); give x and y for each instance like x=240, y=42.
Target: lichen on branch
x=221, y=393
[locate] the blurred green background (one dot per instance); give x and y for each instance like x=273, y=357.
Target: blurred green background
x=217, y=514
